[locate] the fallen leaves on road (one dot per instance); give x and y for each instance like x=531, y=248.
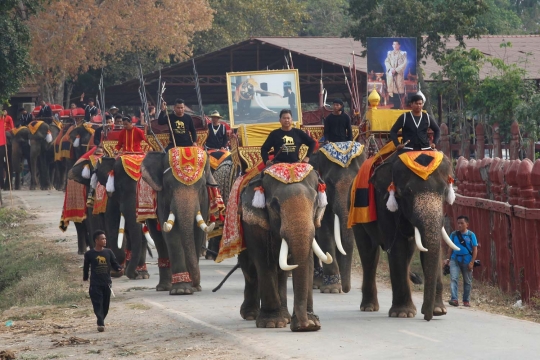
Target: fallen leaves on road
x=7, y=355
x=74, y=340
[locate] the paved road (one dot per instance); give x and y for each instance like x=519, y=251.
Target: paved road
x=346, y=332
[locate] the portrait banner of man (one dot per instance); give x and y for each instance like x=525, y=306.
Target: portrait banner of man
x=255, y=97
x=392, y=70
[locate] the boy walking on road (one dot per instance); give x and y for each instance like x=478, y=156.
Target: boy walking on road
x=462, y=260
x=100, y=261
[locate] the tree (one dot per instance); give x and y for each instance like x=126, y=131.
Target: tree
x=72, y=36
x=500, y=19
x=14, y=45
x=238, y=20
x=325, y=20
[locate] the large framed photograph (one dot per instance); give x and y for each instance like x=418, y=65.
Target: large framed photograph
x=257, y=97
x=391, y=66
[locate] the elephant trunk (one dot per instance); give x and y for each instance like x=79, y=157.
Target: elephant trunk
x=429, y=215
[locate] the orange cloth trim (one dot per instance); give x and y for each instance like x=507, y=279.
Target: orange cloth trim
x=187, y=163
x=16, y=130
x=408, y=158
x=215, y=162
x=34, y=126
x=132, y=165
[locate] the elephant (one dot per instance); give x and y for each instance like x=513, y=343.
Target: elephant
x=336, y=277
x=20, y=149
x=42, y=153
x=288, y=219
x=181, y=208
x=416, y=223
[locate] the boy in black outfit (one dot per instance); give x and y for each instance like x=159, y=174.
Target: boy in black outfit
x=337, y=125
x=100, y=260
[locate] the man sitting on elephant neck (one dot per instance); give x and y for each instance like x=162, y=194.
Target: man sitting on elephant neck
x=414, y=127
x=286, y=142
x=181, y=125
x=130, y=138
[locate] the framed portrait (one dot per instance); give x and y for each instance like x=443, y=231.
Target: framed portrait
x=391, y=67
x=257, y=97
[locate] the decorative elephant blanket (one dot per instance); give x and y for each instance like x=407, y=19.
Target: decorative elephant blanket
x=132, y=165
x=342, y=153
x=100, y=200
x=216, y=157
x=62, y=145
x=14, y=131
x=187, y=163
x=34, y=126
x=146, y=202
x=422, y=163
x=74, y=204
x=289, y=173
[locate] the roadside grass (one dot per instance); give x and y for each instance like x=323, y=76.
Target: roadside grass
x=484, y=296
x=33, y=271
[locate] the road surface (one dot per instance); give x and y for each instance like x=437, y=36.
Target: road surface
x=346, y=332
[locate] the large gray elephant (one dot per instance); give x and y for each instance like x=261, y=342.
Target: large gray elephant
x=338, y=175
x=286, y=223
x=182, y=211
x=418, y=222
x=42, y=153
x=20, y=151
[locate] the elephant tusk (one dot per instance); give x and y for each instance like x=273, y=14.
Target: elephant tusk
x=327, y=259
x=283, y=253
x=121, y=231
x=337, y=235
x=86, y=172
x=449, y=241
x=200, y=223
x=147, y=236
x=418, y=239
x=168, y=225
x=48, y=138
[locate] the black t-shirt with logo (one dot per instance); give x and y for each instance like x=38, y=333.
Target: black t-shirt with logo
x=182, y=127
x=290, y=142
x=100, y=264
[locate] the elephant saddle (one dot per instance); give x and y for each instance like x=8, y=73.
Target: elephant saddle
x=14, y=131
x=216, y=157
x=289, y=173
x=62, y=145
x=342, y=153
x=100, y=201
x=422, y=163
x=187, y=163
x=132, y=165
x=34, y=126
x=74, y=204
x=146, y=202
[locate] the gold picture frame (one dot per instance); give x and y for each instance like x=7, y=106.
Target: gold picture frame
x=257, y=97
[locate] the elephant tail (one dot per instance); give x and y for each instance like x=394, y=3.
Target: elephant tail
x=415, y=278
x=226, y=277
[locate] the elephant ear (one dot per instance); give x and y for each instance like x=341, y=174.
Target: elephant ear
x=104, y=166
x=382, y=177
x=75, y=173
x=152, y=170
x=250, y=214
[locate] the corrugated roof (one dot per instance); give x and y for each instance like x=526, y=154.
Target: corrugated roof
x=525, y=50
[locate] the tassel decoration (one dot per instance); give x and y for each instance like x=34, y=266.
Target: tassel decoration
x=77, y=141
x=48, y=138
x=212, y=218
x=221, y=217
x=93, y=181
x=86, y=172
x=158, y=227
x=110, y=182
x=259, y=200
x=392, y=204
x=451, y=195
x=323, y=201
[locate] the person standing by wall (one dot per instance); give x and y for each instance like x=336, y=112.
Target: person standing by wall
x=462, y=260
x=100, y=260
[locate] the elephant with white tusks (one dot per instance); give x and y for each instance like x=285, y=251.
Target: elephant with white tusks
x=279, y=233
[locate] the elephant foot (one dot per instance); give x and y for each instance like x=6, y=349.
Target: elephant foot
x=331, y=284
x=197, y=288
x=317, y=277
x=285, y=313
x=132, y=274
x=163, y=286
x=142, y=274
x=181, y=289
x=209, y=256
x=438, y=309
x=249, y=312
x=270, y=320
x=402, y=311
x=313, y=323
x=116, y=274
x=369, y=305
x=80, y=252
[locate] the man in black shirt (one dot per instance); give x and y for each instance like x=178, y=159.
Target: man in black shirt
x=183, y=129
x=45, y=112
x=217, y=133
x=89, y=109
x=414, y=127
x=337, y=125
x=100, y=260
x=286, y=142
x=26, y=118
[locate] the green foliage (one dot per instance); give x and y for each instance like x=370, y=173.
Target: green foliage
x=326, y=18
x=528, y=116
x=500, y=19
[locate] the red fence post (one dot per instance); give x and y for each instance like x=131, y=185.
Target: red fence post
x=514, y=141
x=497, y=152
x=480, y=141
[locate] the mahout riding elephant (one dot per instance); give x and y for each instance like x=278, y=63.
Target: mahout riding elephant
x=122, y=201
x=285, y=224
x=338, y=168
x=42, y=152
x=20, y=149
x=417, y=222
x=180, y=178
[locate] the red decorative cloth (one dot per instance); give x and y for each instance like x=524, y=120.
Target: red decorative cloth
x=146, y=202
x=132, y=165
x=289, y=173
x=181, y=278
x=164, y=263
x=74, y=204
x=100, y=200
x=187, y=163
x=141, y=268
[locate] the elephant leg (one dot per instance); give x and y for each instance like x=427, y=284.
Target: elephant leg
x=439, y=308
x=164, y=263
x=313, y=320
x=369, y=251
x=251, y=305
x=142, y=271
x=331, y=280
x=112, y=222
x=44, y=171
x=282, y=287
x=82, y=237
x=213, y=246
x=133, y=231
x=318, y=270
x=34, y=155
x=181, y=281
x=402, y=304
x=345, y=261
